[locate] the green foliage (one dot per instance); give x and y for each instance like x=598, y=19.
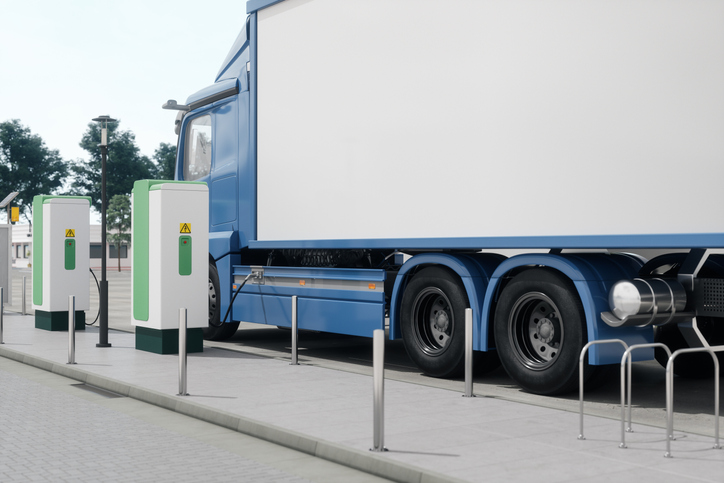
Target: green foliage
x=28, y=166
x=124, y=164
x=165, y=159
x=118, y=220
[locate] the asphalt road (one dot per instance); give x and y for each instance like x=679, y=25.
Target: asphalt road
x=693, y=403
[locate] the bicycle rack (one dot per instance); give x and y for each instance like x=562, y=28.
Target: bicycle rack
x=580, y=376
x=670, y=394
x=626, y=364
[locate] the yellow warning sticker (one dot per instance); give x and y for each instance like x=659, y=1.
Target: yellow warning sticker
x=70, y=233
x=185, y=228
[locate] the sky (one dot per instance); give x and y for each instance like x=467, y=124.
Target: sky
x=63, y=63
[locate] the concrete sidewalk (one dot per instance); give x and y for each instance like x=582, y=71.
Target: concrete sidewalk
x=91, y=435
x=432, y=434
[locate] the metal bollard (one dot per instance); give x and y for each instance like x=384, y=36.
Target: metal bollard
x=468, y=353
x=182, y=353
x=378, y=368
x=295, y=331
x=2, y=309
x=71, y=329
x=23, y=302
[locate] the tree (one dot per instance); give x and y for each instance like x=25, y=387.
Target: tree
x=118, y=220
x=124, y=164
x=28, y=166
x=165, y=159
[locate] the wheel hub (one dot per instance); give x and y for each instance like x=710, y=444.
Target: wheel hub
x=441, y=321
x=545, y=330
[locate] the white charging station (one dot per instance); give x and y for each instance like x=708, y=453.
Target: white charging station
x=61, y=260
x=170, y=250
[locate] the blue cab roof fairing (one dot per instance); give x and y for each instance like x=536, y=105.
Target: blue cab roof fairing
x=254, y=5
x=234, y=65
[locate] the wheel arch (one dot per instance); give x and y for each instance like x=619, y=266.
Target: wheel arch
x=474, y=271
x=592, y=275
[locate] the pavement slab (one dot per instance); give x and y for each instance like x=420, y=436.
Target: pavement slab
x=431, y=434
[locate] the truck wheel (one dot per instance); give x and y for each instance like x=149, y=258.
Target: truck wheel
x=216, y=330
x=540, y=331
x=433, y=322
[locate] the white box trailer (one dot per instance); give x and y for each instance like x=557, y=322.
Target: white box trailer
x=453, y=119
x=340, y=136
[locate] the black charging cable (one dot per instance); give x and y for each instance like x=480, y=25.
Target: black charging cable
x=99, y=298
x=232, y=301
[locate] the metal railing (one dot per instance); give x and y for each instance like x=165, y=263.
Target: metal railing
x=626, y=388
x=670, y=393
x=626, y=362
x=580, y=377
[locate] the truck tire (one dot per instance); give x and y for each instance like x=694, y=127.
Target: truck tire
x=216, y=330
x=540, y=331
x=433, y=322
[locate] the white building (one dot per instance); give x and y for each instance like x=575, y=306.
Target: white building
x=23, y=248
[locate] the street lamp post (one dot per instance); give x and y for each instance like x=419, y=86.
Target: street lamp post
x=103, y=339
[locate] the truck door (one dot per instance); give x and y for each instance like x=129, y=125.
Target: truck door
x=210, y=155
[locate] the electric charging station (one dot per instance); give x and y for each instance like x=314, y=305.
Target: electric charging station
x=170, y=246
x=61, y=260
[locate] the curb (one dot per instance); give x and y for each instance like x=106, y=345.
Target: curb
x=363, y=461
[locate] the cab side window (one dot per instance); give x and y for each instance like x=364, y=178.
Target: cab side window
x=197, y=155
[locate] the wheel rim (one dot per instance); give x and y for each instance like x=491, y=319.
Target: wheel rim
x=535, y=329
x=212, y=300
x=433, y=320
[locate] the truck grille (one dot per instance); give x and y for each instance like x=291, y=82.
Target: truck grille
x=709, y=297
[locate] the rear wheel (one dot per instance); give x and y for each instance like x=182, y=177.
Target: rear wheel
x=216, y=330
x=540, y=331
x=433, y=324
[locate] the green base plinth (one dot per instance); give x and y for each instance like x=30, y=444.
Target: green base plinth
x=166, y=341
x=58, y=320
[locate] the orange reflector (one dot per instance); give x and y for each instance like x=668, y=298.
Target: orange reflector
x=372, y=286
x=302, y=282
x=234, y=286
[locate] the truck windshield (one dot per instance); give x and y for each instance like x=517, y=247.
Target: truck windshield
x=197, y=158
